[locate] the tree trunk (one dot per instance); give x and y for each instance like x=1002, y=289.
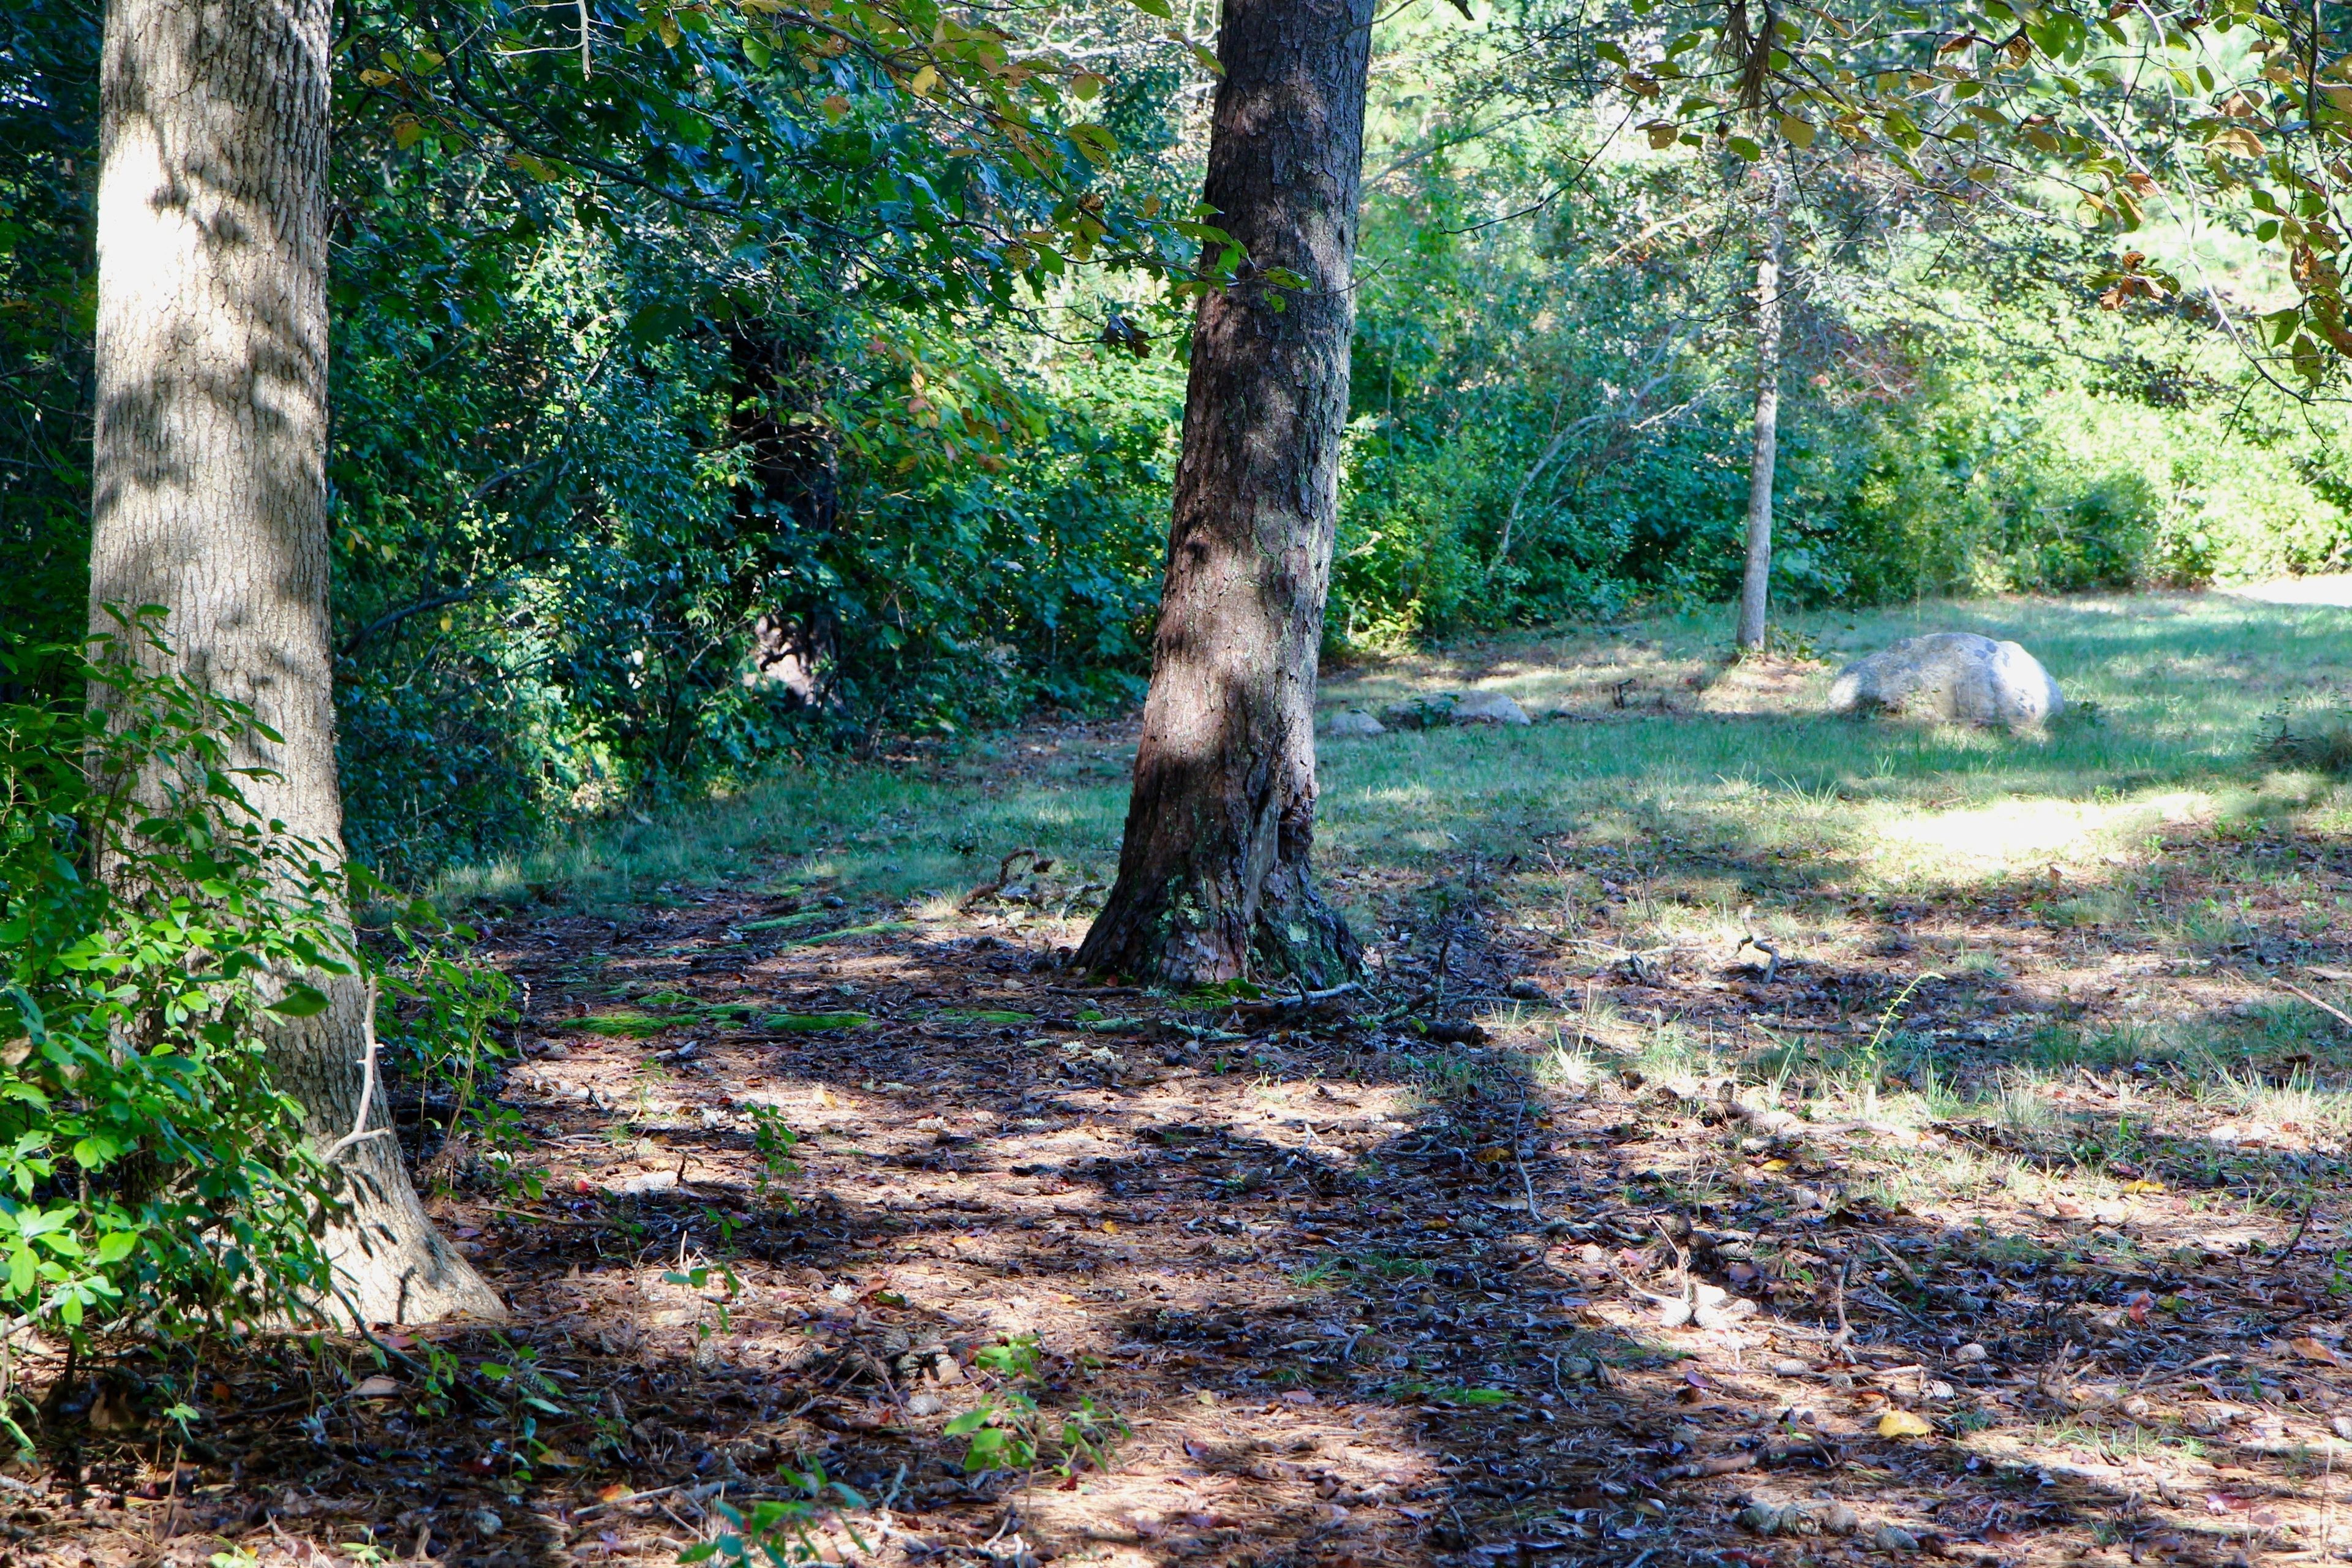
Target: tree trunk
x=1214, y=876
x=210, y=488
x=1755, y=582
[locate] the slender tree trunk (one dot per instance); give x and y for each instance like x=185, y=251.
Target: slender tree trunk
x=210, y=486
x=1755, y=582
x=1214, y=876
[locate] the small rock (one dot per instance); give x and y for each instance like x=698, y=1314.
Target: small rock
x=1723, y=1315
x=650, y=1182
x=1790, y=1368
x=1576, y=1368
x=1489, y=707
x=484, y=1522
x=1971, y=1353
x=1839, y=1520
x=925, y=1405
x=1353, y=724
x=1419, y=713
x=1525, y=990
x=555, y=1051
x=1895, y=1538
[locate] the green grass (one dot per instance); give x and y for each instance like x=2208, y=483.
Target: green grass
x=2170, y=695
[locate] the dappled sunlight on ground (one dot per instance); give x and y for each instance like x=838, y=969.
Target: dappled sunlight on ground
x=1762, y=1140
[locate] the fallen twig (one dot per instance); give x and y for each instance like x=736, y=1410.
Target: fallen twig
x=2337, y=1014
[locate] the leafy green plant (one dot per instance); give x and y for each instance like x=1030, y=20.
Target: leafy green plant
x=1009, y=1429
x=774, y=1143
x=151, y=927
x=526, y=1393
x=445, y=1036
x=780, y=1532
x=698, y=1278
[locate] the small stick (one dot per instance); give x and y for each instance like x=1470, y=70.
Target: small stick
x=1844, y=1334
x=359, y=1132
x=2337, y=1014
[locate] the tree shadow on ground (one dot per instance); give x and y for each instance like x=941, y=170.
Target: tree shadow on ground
x=1359, y=1294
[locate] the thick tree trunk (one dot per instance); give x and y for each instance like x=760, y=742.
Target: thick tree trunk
x=210, y=485
x=1214, y=876
x=1756, y=581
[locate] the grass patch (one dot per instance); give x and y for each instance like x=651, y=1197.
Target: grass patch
x=624, y=1023
x=2180, y=684
x=1450, y=1393
x=785, y=923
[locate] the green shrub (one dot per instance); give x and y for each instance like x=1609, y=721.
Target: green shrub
x=150, y=1172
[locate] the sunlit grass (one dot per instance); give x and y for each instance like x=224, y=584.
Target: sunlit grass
x=2168, y=694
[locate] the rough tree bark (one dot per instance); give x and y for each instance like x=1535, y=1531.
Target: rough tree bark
x=1213, y=874
x=1756, y=581
x=210, y=494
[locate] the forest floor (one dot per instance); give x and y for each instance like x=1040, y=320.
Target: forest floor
x=1763, y=1140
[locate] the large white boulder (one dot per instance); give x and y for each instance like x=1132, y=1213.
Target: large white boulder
x=1952, y=677
x=1353, y=722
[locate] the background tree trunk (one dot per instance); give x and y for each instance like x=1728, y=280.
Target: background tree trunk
x=1214, y=876
x=210, y=483
x=1756, y=581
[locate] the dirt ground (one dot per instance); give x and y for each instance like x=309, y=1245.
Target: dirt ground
x=1529, y=1251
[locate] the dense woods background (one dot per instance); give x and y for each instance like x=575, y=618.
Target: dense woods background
x=633, y=492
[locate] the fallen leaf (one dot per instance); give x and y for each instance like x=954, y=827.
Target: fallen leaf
x=2310, y=1349
x=376, y=1387
x=1902, y=1424
x=617, y=1491
x=2143, y=1185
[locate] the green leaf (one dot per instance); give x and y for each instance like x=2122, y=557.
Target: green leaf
x=301, y=1002
x=1159, y=8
